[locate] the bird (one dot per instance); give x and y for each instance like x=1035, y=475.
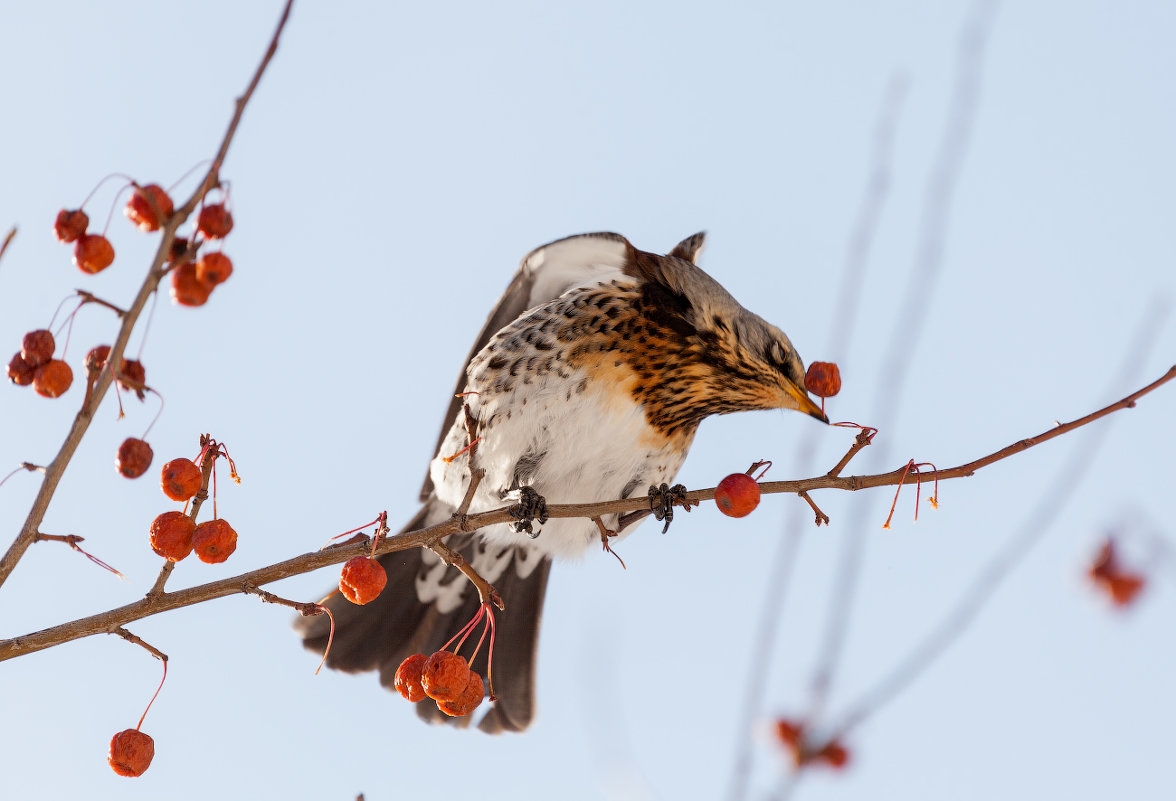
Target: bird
x=588, y=382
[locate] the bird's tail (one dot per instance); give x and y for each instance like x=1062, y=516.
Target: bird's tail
x=425, y=603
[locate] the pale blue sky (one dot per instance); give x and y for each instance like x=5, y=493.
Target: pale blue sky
x=397, y=161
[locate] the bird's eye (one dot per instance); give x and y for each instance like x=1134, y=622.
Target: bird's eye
x=777, y=354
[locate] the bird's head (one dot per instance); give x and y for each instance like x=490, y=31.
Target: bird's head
x=731, y=359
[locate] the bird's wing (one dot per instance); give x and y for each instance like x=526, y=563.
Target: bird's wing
x=545, y=274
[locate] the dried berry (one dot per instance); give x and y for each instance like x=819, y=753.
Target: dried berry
x=171, y=535
x=96, y=359
x=37, y=347
x=214, y=541
x=132, y=376
x=70, y=224
x=186, y=288
x=178, y=249
x=408, y=678
x=134, y=457
x=140, y=211
x=215, y=221
x=823, y=379
x=52, y=379
x=93, y=253
x=467, y=701
x=362, y=580
x=737, y=495
x=444, y=676
x=214, y=268
x=181, y=479
x=131, y=752
x=20, y=372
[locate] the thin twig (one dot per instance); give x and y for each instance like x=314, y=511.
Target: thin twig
x=69, y=446
x=7, y=240
x=126, y=635
x=821, y=517
x=90, y=297
x=486, y=591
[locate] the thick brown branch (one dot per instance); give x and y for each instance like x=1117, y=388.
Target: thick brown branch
x=153, y=605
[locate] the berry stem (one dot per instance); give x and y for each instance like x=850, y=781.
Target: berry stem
x=894, y=503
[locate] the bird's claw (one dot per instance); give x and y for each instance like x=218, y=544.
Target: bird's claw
x=531, y=506
x=661, y=501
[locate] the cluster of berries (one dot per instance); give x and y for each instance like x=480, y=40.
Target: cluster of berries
x=791, y=735
x=150, y=207
x=34, y=365
x=174, y=534
x=444, y=677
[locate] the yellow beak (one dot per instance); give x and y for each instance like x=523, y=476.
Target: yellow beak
x=803, y=402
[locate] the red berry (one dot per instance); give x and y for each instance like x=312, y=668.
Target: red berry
x=132, y=376
x=93, y=253
x=131, y=752
x=37, y=347
x=20, y=372
x=181, y=479
x=737, y=495
x=134, y=457
x=823, y=379
x=70, y=224
x=171, y=535
x=834, y=754
x=215, y=221
x=214, y=541
x=214, y=268
x=362, y=580
x=444, y=676
x=96, y=359
x=467, y=701
x=186, y=287
x=408, y=677
x=140, y=212
x=52, y=379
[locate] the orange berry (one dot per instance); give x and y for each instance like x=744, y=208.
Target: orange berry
x=20, y=372
x=96, y=358
x=140, y=212
x=131, y=752
x=737, y=495
x=37, y=347
x=823, y=379
x=215, y=221
x=362, y=580
x=214, y=541
x=171, y=535
x=52, y=379
x=181, y=479
x=467, y=701
x=186, y=287
x=444, y=676
x=834, y=754
x=70, y=224
x=788, y=733
x=93, y=253
x=214, y=268
x=134, y=457
x=408, y=677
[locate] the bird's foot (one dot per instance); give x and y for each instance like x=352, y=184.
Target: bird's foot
x=605, y=534
x=661, y=501
x=531, y=507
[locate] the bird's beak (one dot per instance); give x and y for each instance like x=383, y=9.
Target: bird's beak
x=803, y=402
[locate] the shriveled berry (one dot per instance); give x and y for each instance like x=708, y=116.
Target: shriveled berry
x=20, y=372
x=186, y=287
x=96, y=359
x=131, y=752
x=181, y=479
x=468, y=700
x=134, y=457
x=444, y=676
x=362, y=580
x=215, y=221
x=37, y=347
x=214, y=268
x=408, y=678
x=823, y=379
x=179, y=248
x=70, y=224
x=737, y=495
x=52, y=379
x=171, y=535
x=139, y=209
x=214, y=541
x=132, y=376
x=93, y=253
